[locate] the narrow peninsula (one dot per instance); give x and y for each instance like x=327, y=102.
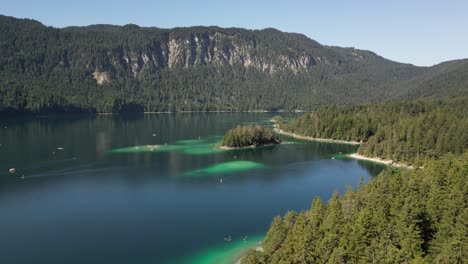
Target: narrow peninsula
x=248, y=137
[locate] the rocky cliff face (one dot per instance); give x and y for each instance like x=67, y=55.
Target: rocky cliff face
x=108, y=52
x=204, y=48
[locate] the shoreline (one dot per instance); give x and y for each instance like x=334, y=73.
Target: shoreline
x=353, y=155
x=379, y=160
x=246, y=147
x=94, y=113
x=232, y=148
x=257, y=248
x=327, y=140
x=210, y=111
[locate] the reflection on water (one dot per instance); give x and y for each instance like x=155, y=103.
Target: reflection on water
x=79, y=194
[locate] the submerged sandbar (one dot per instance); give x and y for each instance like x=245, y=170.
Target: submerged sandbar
x=226, y=167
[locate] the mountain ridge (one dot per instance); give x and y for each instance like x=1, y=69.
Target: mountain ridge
x=46, y=69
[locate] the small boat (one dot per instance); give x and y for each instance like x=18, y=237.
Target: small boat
x=12, y=170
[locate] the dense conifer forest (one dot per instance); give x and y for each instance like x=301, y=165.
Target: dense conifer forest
x=401, y=216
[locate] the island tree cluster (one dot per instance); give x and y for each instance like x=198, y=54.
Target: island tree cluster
x=250, y=135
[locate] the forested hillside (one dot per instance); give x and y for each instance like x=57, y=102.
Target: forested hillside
x=450, y=78
x=105, y=68
x=402, y=215
x=410, y=131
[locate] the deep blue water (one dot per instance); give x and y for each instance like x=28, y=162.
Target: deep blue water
x=79, y=203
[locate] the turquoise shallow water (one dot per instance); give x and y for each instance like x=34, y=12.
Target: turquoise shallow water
x=226, y=253
x=89, y=195
x=200, y=146
x=225, y=168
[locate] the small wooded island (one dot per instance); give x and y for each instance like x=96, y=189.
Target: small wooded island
x=249, y=136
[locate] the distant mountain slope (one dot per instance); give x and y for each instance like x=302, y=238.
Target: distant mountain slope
x=448, y=78
x=108, y=68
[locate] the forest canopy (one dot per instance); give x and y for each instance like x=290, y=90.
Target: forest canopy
x=401, y=216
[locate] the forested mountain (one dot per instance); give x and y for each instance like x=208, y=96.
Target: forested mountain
x=400, y=216
x=105, y=68
x=449, y=77
x=411, y=132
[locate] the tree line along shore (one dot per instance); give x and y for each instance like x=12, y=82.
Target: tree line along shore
x=410, y=132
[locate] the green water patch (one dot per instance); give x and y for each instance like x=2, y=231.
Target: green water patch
x=200, y=146
x=229, y=253
x=147, y=148
x=203, y=150
x=200, y=141
x=225, y=168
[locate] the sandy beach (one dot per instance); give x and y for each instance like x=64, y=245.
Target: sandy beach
x=258, y=248
x=231, y=148
x=246, y=147
x=379, y=160
x=280, y=131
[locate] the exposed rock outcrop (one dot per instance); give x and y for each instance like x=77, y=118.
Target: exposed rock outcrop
x=205, y=48
x=100, y=77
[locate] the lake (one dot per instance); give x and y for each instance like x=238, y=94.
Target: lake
x=153, y=188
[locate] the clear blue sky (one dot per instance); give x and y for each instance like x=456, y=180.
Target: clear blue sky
x=413, y=31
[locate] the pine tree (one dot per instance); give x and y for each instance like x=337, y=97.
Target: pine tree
x=275, y=236
x=332, y=227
